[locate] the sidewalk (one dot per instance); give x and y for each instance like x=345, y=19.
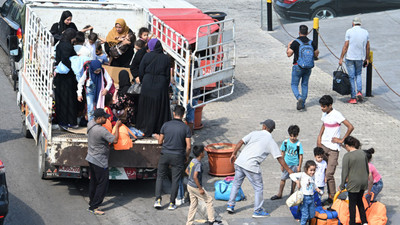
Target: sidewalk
x=263, y=91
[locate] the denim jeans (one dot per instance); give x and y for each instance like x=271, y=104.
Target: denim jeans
x=376, y=189
x=181, y=189
x=255, y=180
x=190, y=111
x=90, y=94
x=307, y=209
x=354, y=68
x=303, y=74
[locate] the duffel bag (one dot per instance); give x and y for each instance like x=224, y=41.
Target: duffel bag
x=341, y=81
x=376, y=212
x=325, y=217
x=223, y=191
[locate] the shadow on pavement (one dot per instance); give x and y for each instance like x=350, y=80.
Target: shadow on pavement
x=20, y=213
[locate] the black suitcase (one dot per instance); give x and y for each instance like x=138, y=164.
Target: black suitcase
x=341, y=81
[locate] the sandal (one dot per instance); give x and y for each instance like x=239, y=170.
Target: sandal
x=96, y=212
x=275, y=197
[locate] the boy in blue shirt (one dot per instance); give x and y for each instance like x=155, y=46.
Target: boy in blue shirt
x=292, y=151
x=195, y=187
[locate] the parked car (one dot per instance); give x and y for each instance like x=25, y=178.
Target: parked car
x=325, y=9
x=11, y=32
x=3, y=194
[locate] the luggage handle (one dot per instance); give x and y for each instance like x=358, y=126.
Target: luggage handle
x=342, y=69
x=226, y=187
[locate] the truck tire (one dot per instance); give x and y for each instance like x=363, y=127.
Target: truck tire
x=25, y=131
x=41, y=157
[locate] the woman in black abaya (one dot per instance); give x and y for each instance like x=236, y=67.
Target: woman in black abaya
x=154, y=105
x=66, y=84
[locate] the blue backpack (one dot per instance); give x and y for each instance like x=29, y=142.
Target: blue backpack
x=306, y=55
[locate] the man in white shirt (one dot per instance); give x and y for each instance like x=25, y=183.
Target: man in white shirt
x=258, y=145
x=356, y=49
x=329, y=139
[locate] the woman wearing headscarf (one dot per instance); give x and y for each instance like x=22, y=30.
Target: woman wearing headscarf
x=65, y=22
x=120, y=43
x=65, y=83
x=154, y=105
x=97, y=82
x=125, y=101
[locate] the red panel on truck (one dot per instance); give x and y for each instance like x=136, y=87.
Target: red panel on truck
x=185, y=21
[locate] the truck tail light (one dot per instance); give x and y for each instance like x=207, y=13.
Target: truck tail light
x=19, y=33
x=289, y=1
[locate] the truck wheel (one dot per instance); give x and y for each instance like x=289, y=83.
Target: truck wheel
x=41, y=157
x=25, y=131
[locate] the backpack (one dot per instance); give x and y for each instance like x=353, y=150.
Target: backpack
x=297, y=149
x=306, y=55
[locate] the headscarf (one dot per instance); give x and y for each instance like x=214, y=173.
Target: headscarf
x=152, y=43
x=61, y=25
x=124, y=82
x=113, y=33
x=96, y=78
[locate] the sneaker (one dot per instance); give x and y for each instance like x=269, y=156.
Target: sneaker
x=63, y=127
x=171, y=206
x=352, y=101
x=157, y=204
x=300, y=104
x=214, y=222
x=179, y=202
x=260, y=213
x=76, y=126
x=230, y=208
x=359, y=96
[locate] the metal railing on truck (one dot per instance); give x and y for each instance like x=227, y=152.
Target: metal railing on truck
x=209, y=66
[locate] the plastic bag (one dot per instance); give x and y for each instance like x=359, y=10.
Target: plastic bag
x=295, y=199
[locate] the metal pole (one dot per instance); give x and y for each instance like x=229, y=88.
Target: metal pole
x=269, y=9
x=368, y=91
x=315, y=34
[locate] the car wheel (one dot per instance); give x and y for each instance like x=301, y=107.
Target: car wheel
x=41, y=156
x=324, y=13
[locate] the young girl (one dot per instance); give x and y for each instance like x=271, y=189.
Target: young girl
x=305, y=182
x=375, y=183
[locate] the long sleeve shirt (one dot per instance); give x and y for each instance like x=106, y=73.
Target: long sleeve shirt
x=307, y=183
x=355, y=170
x=83, y=81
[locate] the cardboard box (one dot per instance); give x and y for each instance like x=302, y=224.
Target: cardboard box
x=113, y=71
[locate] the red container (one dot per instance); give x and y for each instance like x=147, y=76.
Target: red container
x=219, y=155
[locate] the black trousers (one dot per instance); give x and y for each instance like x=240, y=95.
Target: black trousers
x=355, y=199
x=97, y=186
x=177, y=164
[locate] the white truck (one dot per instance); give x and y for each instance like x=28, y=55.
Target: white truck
x=205, y=60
